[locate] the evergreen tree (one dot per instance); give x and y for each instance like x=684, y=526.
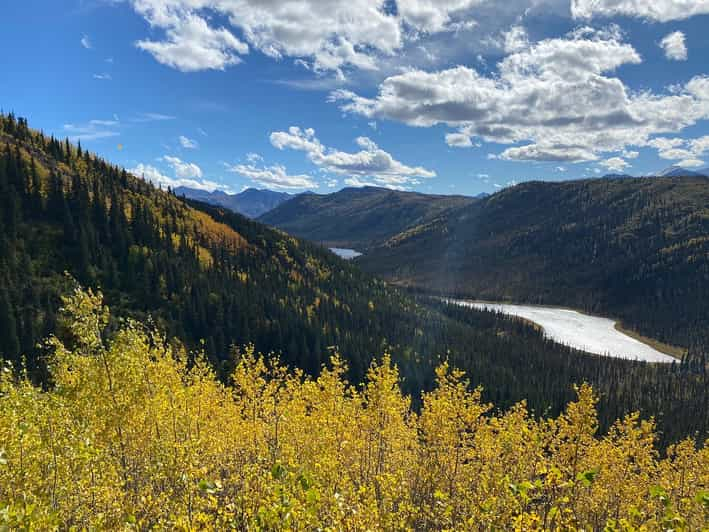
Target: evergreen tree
x=9, y=342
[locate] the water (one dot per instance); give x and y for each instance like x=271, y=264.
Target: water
x=345, y=253
x=592, y=334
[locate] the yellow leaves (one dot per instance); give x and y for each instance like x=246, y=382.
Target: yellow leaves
x=132, y=436
x=216, y=232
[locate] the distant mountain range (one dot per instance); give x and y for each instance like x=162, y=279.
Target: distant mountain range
x=251, y=202
x=670, y=171
x=359, y=218
x=678, y=171
x=634, y=248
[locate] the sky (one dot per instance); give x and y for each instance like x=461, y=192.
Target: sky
x=438, y=96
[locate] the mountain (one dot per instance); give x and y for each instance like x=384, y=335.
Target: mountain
x=704, y=171
x=214, y=281
x=632, y=248
x=678, y=171
x=251, y=202
x=359, y=218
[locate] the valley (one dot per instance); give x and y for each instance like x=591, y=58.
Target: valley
x=372, y=265
x=217, y=283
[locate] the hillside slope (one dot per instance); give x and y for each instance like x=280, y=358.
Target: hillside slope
x=358, y=218
x=212, y=279
x=633, y=248
x=251, y=202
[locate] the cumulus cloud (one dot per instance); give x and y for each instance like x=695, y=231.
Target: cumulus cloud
x=371, y=161
x=459, y=140
x=657, y=10
x=674, y=46
x=183, y=170
x=557, y=99
x=515, y=39
x=321, y=35
x=328, y=34
x=188, y=143
x=615, y=164
x=156, y=177
x=433, y=15
x=274, y=177
x=691, y=163
x=687, y=151
x=190, y=43
x=86, y=42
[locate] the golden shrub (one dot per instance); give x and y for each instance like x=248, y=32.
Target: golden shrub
x=131, y=436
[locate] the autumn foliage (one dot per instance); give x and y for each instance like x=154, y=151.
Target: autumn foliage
x=132, y=435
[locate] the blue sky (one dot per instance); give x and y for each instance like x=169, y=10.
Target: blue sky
x=444, y=96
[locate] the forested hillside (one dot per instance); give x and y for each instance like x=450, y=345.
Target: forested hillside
x=358, y=218
x=132, y=437
x=636, y=249
x=212, y=279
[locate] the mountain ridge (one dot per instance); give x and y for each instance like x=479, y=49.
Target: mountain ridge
x=251, y=202
x=359, y=217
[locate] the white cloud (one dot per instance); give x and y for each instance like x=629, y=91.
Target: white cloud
x=540, y=152
x=356, y=181
x=151, y=117
x=155, y=176
x=104, y=76
x=86, y=42
x=691, y=163
x=321, y=35
x=371, y=161
x=188, y=143
x=658, y=10
x=433, y=15
x=515, y=39
x=615, y=164
x=92, y=130
x=556, y=97
x=182, y=169
x=674, y=46
x=275, y=177
x=253, y=157
x=329, y=34
x=459, y=140
x=687, y=151
x=190, y=44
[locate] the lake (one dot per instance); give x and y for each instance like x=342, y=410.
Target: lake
x=592, y=334
x=345, y=253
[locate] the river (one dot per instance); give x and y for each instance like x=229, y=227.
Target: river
x=592, y=334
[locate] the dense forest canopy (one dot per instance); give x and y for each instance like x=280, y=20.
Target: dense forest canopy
x=216, y=282
x=131, y=436
x=634, y=249
x=359, y=218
